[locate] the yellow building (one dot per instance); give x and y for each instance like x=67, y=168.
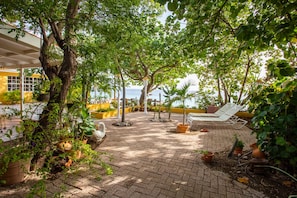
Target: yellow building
x=15, y=56
x=10, y=80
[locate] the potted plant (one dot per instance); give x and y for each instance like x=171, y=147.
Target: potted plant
x=169, y=92
x=15, y=157
x=207, y=156
x=238, y=146
x=80, y=121
x=182, y=95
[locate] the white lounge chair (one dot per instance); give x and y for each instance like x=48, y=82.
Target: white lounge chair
x=228, y=117
x=218, y=113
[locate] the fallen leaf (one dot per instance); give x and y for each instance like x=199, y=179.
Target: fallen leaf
x=287, y=183
x=244, y=180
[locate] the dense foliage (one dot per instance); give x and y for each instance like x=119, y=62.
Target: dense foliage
x=275, y=120
x=227, y=35
x=274, y=104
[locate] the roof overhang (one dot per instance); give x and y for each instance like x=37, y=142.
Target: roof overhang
x=21, y=53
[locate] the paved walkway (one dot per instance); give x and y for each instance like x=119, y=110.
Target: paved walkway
x=149, y=160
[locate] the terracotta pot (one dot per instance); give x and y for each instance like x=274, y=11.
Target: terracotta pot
x=207, y=157
x=257, y=153
x=16, y=172
x=182, y=128
x=237, y=150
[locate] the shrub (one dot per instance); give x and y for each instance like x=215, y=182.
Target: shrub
x=12, y=97
x=105, y=110
x=275, y=121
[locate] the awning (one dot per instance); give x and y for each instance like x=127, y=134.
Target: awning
x=21, y=53
x=18, y=54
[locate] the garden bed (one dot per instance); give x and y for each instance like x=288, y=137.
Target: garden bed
x=272, y=183
x=107, y=114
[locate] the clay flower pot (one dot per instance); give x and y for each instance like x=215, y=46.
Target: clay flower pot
x=237, y=150
x=16, y=172
x=257, y=153
x=207, y=157
x=181, y=128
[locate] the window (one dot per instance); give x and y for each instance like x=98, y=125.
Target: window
x=13, y=83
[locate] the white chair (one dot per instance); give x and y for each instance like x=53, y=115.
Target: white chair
x=218, y=113
x=228, y=117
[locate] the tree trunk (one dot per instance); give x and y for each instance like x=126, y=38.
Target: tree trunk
x=123, y=101
x=60, y=76
x=84, y=89
x=123, y=89
x=226, y=93
x=141, y=99
x=219, y=91
x=244, y=80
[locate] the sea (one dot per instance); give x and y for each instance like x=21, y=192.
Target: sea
x=133, y=93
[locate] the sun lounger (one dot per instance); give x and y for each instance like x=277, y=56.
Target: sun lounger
x=228, y=117
x=218, y=113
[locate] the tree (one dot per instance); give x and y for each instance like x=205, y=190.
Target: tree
x=59, y=23
x=225, y=35
x=93, y=73
x=257, y=26
x=182, y=94
x=148, y=49
x=169, y=93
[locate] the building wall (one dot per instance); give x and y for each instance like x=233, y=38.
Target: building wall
x=3, y=85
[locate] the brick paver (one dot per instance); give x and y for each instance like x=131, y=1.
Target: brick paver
x=150, y=160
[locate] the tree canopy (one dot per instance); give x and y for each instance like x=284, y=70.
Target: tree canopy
x=225, y=35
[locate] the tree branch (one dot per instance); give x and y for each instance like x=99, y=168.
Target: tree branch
x=228, y=24
x=217, y=14
x=56, y=32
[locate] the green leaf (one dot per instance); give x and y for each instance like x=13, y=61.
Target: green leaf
x=280, y=141
x=291, y=149
x=172, y=6
x=162, y=2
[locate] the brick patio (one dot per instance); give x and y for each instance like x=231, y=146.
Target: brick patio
x=150, y=160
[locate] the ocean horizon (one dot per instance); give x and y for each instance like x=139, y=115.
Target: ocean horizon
x=157, y=94
x=135, y=93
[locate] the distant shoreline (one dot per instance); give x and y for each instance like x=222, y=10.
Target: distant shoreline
x=134, y=93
